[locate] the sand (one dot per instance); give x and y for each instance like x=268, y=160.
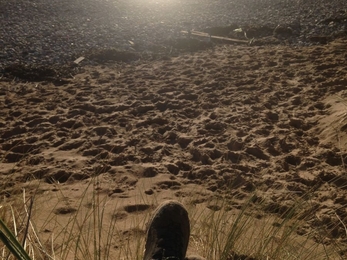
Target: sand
x=99, y=145
x=214, y=125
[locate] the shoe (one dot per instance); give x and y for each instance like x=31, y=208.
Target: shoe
x=168, y=233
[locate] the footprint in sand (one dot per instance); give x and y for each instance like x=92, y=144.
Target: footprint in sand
x=64, y=210
x=137, y=208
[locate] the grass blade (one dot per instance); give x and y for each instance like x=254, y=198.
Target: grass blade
x=12, y=243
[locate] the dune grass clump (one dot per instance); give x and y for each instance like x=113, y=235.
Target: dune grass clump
x=84, y=233
x=240, y=234
x=220, y=233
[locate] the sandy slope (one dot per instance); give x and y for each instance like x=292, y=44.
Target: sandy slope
x=228, y=121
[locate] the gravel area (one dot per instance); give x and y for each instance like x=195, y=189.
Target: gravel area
x=41, y=32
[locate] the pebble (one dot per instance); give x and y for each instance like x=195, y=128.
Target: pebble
x=59, y=31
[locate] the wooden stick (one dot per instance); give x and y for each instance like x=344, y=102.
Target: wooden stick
x=218, y=38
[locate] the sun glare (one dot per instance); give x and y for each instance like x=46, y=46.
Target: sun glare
x=163, y=1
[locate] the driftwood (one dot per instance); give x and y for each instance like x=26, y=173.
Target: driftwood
x=215, y=38
x=79, y=60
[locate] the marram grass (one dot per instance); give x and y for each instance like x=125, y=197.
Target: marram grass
x=221, y=234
